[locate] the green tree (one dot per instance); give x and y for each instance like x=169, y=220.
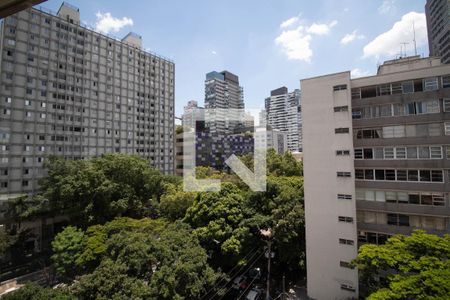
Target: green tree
x=174, y=202
x=216, y=218
x=417, y=267
x=110, y=281
x=277, y=164
x=98, y=190
x=137, y=259
x=67, y=248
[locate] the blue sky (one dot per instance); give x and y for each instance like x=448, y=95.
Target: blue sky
x=267, y=43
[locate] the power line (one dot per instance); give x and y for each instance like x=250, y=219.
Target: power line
x=242, y=273
x=252, y=253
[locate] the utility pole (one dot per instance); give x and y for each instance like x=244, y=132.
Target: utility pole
x=283, y=296
x=269, y=254
x=268, y=235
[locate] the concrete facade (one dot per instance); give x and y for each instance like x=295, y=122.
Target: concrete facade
x=66, y=90
x=388, y=136
x=438, y=26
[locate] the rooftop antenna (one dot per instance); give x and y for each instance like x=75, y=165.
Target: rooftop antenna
x=414, y=40
x=404, y=47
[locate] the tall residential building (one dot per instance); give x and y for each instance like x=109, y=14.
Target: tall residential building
x=68, y=91
x=284, y=113
x=376, y=163
x=222, y=91
x=438, y=25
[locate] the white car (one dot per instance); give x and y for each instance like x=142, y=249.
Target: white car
x=254, y=294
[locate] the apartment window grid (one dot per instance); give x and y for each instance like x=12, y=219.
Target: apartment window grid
x=406, y=175
x=401, y=131
x=396, y=110
x=83, y=103
x=400, y=153
x=405, y=87
x=402, y=197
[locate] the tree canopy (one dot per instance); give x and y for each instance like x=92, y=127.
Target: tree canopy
x=136, y=259
x=100, y=189
x=406, y=267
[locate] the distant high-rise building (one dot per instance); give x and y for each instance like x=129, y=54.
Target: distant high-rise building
x=263, y=118
x=193, y=116
x=222, y=91
x=438, y=25
x=270, y=138
x=249, y=120
x=283, y=112
x=68, y=91
x=376, y=163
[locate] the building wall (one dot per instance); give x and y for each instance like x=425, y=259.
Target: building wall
x=438, y=25
x=397, y=150
x=327, y=279
x=68, y=91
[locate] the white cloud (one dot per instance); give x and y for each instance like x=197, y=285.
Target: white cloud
x=387, y=7
x=296, y=41
x=350, y=37
x=388, y=43
x=213, y=52
x=321, y=29
x=357, y=72
x=295, y=44
x=289, y=22
x=106, y=23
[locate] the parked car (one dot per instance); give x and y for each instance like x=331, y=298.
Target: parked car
x=254, y=294
x=240, y=282
x=254, y=273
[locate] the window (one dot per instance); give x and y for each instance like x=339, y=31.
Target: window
x=411, y=152
x=425, y=175
x=401, y=175
x=359, y=174
x=347, y=287
x=379, y=175
x=368, y=153
x=446, y=81
x=346, y=264
x=24, y=182
x=388, y=153
x=346, y=242
x=342, y=152
x=435, y=152
x=447, y=128
x=430, y=84
x=413, y=175
x=358, y=153
x=446, y=104
x=447, y=152
x=408, y=87
x=344, y=197
x=346, y=130
x=345, y=219
x=390, y=174
x=437, y=176
x=340, y=108
x=378, y=153
x=343, y=174
x=400, y=152
x=339, y=87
